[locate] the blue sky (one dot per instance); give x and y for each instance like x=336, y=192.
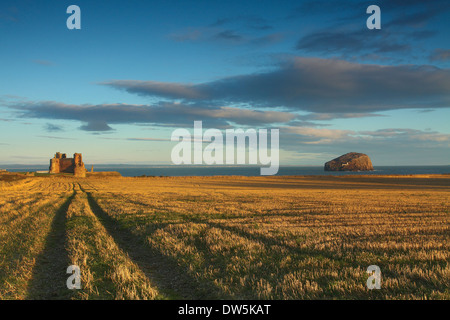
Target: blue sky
x=137, y=70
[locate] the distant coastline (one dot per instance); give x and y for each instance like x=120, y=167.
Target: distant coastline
x=288, y=170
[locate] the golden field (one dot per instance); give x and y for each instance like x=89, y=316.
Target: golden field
x=309, y=237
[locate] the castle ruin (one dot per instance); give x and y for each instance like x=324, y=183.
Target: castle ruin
x=61, y=164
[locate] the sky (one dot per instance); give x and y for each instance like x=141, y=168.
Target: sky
x=117, y=88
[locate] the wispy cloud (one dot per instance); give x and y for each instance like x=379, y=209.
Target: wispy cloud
x=331, y=116
x=346, y=42
x=191, y=34
x=413, y=135
x=396, y=136
x=147, y=139
x=138, y=139
x=55, y=137
x=228, y=35
x=247, y=21
x=43, y=62
x=440, y=55
x=405, y=25
x=236, y=30
x=10, y=13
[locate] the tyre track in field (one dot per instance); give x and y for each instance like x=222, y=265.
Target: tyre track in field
x=170, y=279
x=49, y=273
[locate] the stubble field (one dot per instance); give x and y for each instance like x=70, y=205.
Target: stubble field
x=225, y=237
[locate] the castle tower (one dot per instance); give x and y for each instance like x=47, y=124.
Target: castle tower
x=54, y=165
x=79, y=170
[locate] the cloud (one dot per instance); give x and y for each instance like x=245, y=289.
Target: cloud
x=228, y=35
x=43, y=62
x=52, y=127
x=345, y=42
x=55, y=137
x=390, y=146
x=147, y=139
x=404, y=26
x=409, y=135
x=413, y=5
x=318, y=136
x=247, y=116
x=319, y=133
x=268, y=39
x=96, y=125
x=192, y=139
x=247, y=21
x=315, y=85
x=10, y=13
x=237, y=30
x=139, y=139
x=97, y=118
x=155, y=88
x=192, y=34
x=331, y=116
x=440, y=55
x=416, y=19
x=403, y=12
x=296, y=136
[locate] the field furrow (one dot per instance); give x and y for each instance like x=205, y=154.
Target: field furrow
x=23, y=238
x=107, y=272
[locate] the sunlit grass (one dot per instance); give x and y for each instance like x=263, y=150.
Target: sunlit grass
x=288, y=240
x=233, y=237
x=106, y=271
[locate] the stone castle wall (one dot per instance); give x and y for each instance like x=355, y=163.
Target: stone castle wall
x=61, y=164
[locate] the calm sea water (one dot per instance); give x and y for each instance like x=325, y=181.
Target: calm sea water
x=131, y=171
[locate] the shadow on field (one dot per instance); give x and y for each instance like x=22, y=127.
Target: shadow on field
x=49, y=277
x=300, y=253
x=170, y=278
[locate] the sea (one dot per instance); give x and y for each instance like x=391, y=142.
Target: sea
x=174, y=171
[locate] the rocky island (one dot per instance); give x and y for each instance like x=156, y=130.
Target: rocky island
x=351, y=161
